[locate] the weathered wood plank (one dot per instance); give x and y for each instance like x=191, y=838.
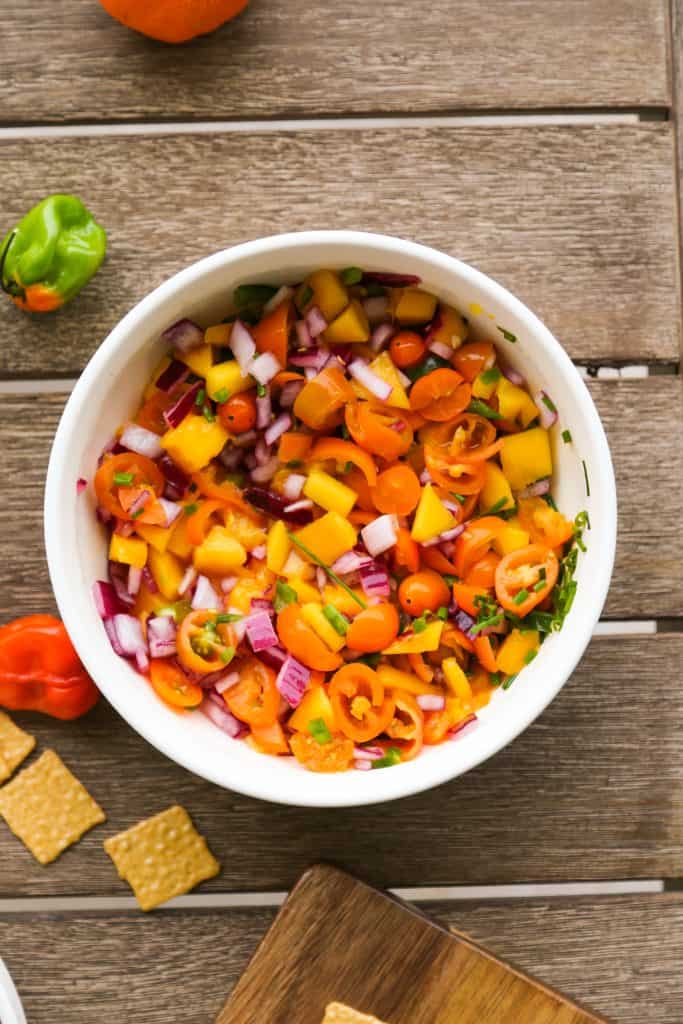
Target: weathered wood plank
x=621, y=956
x=592, y=790
x=284, y=58
x=648, y=578
x=580, y=222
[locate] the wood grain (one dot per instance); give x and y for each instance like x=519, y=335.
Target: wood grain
x=599, y=774
x=580, y=222
x=620, y=955
x=648, y=578
x=284, y=58
x=332, y=927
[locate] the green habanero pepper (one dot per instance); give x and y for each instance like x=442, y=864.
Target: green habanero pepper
x=51, y=254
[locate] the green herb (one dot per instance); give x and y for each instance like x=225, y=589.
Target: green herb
x=371, y=660
x=234, y=478
x=497, y=507
x=585, y=474
x=333, y=576
x=391, y=757
x=544, y=622
x=138, y=513
x=345, y=432
x=458, y=497
x=508, y=335
x=432, y=362
x=442, y=613
x=495, y=678
x=305, y=295
x=177, y=611
x=482, y=409
x=348, y=466
x=209, y=415
x=581, y=523
x=566, y=436
x=226, y=617
x=261, y=390
x=529, y=657
x=248, y=296
x=494, y=620
x=419, y=625
x=509, y=681
x=450, y=580
x=123, y=479
x=539, y=586
x=374, y=290
x=521, y=596
x=549, y=500
x=490, y=376
x=548, y=402
x=486, y=606
x=227, y=654
x=221, y=396
x=294, y=464
x=284, y=595
x=201, y=395
x=335, y=618
x=351, y=275
x=319, y=731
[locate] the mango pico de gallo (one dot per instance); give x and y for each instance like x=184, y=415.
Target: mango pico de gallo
x=330, y=522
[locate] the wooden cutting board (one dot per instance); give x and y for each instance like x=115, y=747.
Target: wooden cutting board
x=336, y=939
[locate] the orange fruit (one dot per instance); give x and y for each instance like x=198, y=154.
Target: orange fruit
x=173, y=21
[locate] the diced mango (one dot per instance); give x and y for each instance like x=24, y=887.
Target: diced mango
x=418, y=643
x=517, y=650
x=243, y=528
x=314, y=616
x=218, y=335
x=321, y=400
x=452, y=329
x=200, y=360
x=129, y=550
x=514, y=403
x=496, y=492
x=278, y=546
x=456, y=679
x=329, y=294
x=394, y=679
x=179, y=544
x=511, y=538
x=297, y=567
x=315, y=704
x=341, y=600
x=330, y=493
x=431, y=516
x=350, y=327
x=413, y=306
x=482, y=388
x=194, y=442
x=146, y=601
x=220, y=553
x=252, y=585
x=385, y=369
x=305, y=592
x=167, y=571
x=328, y=537
x=227, y=378
x=526, y=457
x=157, y=537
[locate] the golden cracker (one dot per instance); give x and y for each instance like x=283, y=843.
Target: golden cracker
x=48, y=808
x=162, y=857
x=337, y=1013
x=15, y=746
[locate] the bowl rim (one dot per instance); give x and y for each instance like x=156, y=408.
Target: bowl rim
x=401, y=781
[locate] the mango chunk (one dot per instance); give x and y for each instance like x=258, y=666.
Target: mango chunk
x=456, y=680
x=314, y=616
x=431, y=516
x=278, y=546
x=167, y=571
x=329, y=294
x=200, y=360
x=330, y=493
x=395, y=679
x=514, y=403
x=526, y=457
x=220, y=553
x=496, y=492
x=315, y=704
x=511, y=538
x=227, y=378
x=328, y=537
x=413, y=306
x=350, y=327
x=194, y=442
x=157, y=537
x=385, y=369
x=418, y=643
x=128, y=550
x=518, y=648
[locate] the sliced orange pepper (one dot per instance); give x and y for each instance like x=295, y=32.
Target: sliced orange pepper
x=143, y=471
x=476, y=539
x=454, y=637
x=545, y=524
x=482, y=575
x=218, y=642
x=271, y=334
x=360, y=517
x=172, y=685
x=303, y=643
x=362, y=709
x=407, y=553
x=226, y=492
x=255, y=699
x=465, y=595
x=294, y=447
x=440, y=395
x=471, y=359
x=343, y=452
x=357, y=482
x=434, y=558
x=420, y=668
x=198, y=522
x=486, y=653
x=407, y=725
x=383, y=432
x=321, y=401
x=458, y=477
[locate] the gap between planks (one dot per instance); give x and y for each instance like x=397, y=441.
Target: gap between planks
x=417, y=894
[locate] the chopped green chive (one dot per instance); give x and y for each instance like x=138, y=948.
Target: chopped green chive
x=442, y=613
x=319, y=731
x=538, y=586
x=226, y=617
x=351, y=275
x=548, y=402
x=509, y=681
x=305, y=296
x=201, y=395
x=490, y=376
x=123, y=479
x=261, y=390
x=497, y=507
x=508, y=335
x=345, y=432
x=335, y=618
x=521, y=596
x=419, y=625
x=494, y=620
x=585, y=475
x=458, y=497
x=191, y=509
x=221, y=396
x=252, y=295
x=371, y=660
x=495, y=678
x=482, y=409
x=294, y=464
x=391, y=757
x=348, y=466
x=450, y=580
x=138, y=513
x=549, y=500
x=227, y=654
x=333, y=576
x=566, y=436
x=209, y=416
x=529, y=657
x=284, y=595
x=374, y=289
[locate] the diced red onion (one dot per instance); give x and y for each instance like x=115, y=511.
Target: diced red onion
x=141, y=660
x=171, y=510
x=362, y=765
x=81, y=485
x=320, y=578
x=314, y=360
x=310, y=373
x=177, y=413
x=447, y=535
x=303, y=334
x=281, y=295
x=187, y=580
x=242, y=346
x=173, y=473
x=431, y=702
x=277, y=428
x=425, y=477
x=175, y=374
x=292, y=680
x=262, y=474
x=512, y=375
x=238, y=627
x=260, y=632
x=221, y=717
x=537, y=489
x=149, y=580
x=293, y=486
x=447, y=548
x=273, y=657
x=547, y=416
x=247, y=438
x=205, y=596
x=376, y=308
x=368, y=753
x=110, y=630
x=259, y=552
x=351, y=561
x=118, y=574
x=225, y=682
x=103, y=514
x=261, y=604
x=184, y=335
x=274, y=505
x=141, y=441
x=264, y=368
x=374, y=580
x=391, y=280
x=297, y=506
x=231, y=457
x=124, y=527
x=264, y=411
x=129, y=633
x=440, y=348
x=290, y=392
x=361, y=372
x=134, y=579
x=434, y=326
x=106, y=599
x=228, y=584
x=453, y=733
x=315, y=322
x=161, y=636
x=381, y=336
x=379, y=535
x=140, y=502
x=464, y=621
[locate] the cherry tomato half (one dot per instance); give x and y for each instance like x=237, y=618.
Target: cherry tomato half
x=407, y=725
x=545, y=524
x=204, y=645
x=139, y=472
x=172, y=685
x=520, y=572
x=473, y=438
x=440, y=395
x=255, y=699
x=471, y=359
x=380, y=431
x=335, y=756
x=476, y=539
x=422, y=592
x=398, y=490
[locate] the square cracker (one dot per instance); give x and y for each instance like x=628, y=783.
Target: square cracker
x=48, y=808
x=15, y=746
x=337, y=1013
x=162, y=857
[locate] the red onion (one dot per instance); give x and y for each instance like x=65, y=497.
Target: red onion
x=381, y=337
x=173, y=473
x=461, y=725
x=536, y=490
x=379, y=535
x=320, y=578
x=231, y=457
x=292, y=680
x=247, y=438
x=281, y=295
x=184, y=335
x=141, y=441
x=277, y=428
x=205, y=596
x=175, y=374
x=447, y=535
x=310, y=373
x=187, y=580
x=103, y=514
x=391, y=280
x=361, y=372
x=298, y=506
x=124, y=527
x=260, y=632
x=264, y=368
x=228, y=584
x=177, y=413
x=265, y=472
x=431, y=702
x=221, y=717
x=81, y=485
x=226, y=681
x=238, y=627
x=440, y=348
x=259, y=552
x=293, y=486
x=141, y=660
x=315, y=322
x=110, y=630
x=512, y=375
x=375, y=580
x=376, y=308
x=118, y=574
x=425, y=477
x=134, y=580
x=437, y=322
x=273, y=657
x=368, y=753
x=404, y=379
x=261, y=604
x=303, y=334
x=171, y=511
x=290, y=392
x=106, y=599
x=546, y=408
x=140, y=502
x=362, y=765
x=242, y=345
x=129, y=633
x=464, y=621
x=351, y=561
x=314, y=360
x=161, y=635
x=274, y=505
x=149, y=580
x=264, y=411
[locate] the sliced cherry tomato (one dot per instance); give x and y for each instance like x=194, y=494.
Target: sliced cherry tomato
x=225, y=490
x=362, y=709
x=398, y=490
x=172, y=685
x=459, y=477
x=383, y=432
x=357, y=482
x=435, y=559
x=466, y=597
x=271, y=334
x=471, y=359
x=270, y=739
x=343, y=452
x=485, y=650
x=204, y=645
x=138, y=471
x=483, y=573
x=406, y=552
x=420, y=668
x=545, y=524
x=476, y=539
x=407, y=349
x=373, y=629
x=440, y=395
x=423, y=591
x=255, y=699
x=303, y=643
x=473, y=438
x=520, y=572
x=335, y=756
x=198, y=522
x=407, y=725
x=238, y=414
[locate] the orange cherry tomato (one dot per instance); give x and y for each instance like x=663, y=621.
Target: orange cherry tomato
x=141, y=471
x=420, y=668
x=238, y=414
x=271, y=334
x=204, y=645
x=520, y=572
x=335, y=756
x=458, y=477
x=172, y=685
x=545, y=524
x=476, y=539
x=407, y=725
x=343, y=452
x=406, y=552
x=294, y=447
x=407, y=349
x=440, y=395
x=485, y=650
x=471, y=359
x=465, y=595
x=380, y=431
x=398, y=490
x=303, y=643
x=362, y=709
x=270, y=739
x=373, y=629
x=424, y=591
x=483, y=573
x=255, y=699
x=198, y=522
x=473, y=438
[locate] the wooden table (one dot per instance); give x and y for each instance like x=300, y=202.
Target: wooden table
x=538, y=141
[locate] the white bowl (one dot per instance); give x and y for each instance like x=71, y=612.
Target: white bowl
x=11, y=1011
x=110, y=389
